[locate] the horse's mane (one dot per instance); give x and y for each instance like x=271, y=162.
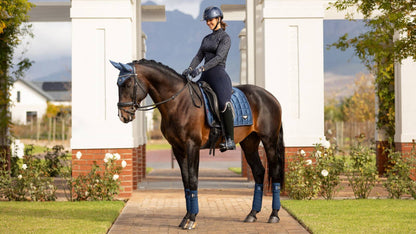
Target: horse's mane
x=159, y=66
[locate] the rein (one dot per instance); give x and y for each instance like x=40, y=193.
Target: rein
x=136, y=105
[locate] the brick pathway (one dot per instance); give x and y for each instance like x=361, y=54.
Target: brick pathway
x=220, y=211
x=224, y=201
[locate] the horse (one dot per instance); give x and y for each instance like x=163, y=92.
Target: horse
x=184, y=126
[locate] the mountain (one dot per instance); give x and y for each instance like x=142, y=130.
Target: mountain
x=50, y=69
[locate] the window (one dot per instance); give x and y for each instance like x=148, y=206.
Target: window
x=18, y=96
x=31, y=116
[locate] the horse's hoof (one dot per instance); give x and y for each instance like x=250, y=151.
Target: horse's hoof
x=190, y=225
x=183, y=223
x=273, y=219
x=250, y=219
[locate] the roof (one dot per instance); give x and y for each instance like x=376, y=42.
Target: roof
x=59, y=91
x=36, y=89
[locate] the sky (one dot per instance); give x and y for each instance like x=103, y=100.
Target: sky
x=50, y=49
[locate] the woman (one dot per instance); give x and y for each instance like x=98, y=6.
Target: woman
x=214, y=49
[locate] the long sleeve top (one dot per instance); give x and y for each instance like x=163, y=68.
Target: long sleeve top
x=214, y=49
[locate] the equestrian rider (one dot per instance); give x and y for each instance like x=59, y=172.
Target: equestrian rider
x=214, y=49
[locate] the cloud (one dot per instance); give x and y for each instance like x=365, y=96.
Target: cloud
x=50, y=40
x=338, y=85
x=192, y=7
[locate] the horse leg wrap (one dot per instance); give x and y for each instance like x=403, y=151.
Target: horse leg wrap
x=194, y=202
x=258, y=197
x=276, y=196
x=188, y=200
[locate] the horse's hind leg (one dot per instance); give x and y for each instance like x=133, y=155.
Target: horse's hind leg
x=275, y=154
x=250, y=147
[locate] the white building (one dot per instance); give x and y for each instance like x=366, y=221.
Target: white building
x=29, y=102
x=30, y=99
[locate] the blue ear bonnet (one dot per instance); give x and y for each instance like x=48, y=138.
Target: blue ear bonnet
x=126, y=71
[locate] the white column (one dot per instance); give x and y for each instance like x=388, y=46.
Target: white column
x=251, y=41
x=293, y=66
x=101, y=30
x=243, y=56
x=405, y=101
x=259, y=44
x=139, y=46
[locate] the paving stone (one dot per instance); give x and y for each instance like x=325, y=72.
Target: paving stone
x=221, y=211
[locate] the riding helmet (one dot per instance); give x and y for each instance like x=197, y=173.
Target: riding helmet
x=212, y=12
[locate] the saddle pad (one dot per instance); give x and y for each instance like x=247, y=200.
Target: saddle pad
x=242, y=110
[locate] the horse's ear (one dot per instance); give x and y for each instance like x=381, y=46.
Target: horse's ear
x=116, y=65
x=127, y=67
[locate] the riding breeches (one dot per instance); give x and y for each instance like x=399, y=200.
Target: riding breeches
x=220, y=82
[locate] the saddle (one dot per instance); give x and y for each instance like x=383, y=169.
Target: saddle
x=241, y=112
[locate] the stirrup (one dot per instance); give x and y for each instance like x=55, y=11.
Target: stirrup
x=227, y=145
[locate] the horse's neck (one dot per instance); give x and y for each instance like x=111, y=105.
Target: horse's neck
x=162, y=87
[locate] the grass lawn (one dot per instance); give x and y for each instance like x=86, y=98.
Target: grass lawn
x=355, y=216
x=58, y=217
x=158, y=146
x=236, y=170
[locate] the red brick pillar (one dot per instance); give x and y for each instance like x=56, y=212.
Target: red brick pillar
x=406, y=148
x=130, y=176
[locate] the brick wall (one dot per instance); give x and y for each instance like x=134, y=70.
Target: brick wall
x=130, y=176
x=405, y=148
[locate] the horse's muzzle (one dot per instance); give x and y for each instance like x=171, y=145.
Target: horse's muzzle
x=126, y=115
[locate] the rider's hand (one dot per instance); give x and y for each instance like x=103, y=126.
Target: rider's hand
x=187, y=71
x=197, y=71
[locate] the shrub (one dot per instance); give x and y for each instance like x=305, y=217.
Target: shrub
x=54, y=160
x=5, y=177
x=31, y=183
x=329, y=168
x=301, y=179
x=320, y=175
x=33, y=179
x=100, y=183
x=399, y=181
x=361, y=169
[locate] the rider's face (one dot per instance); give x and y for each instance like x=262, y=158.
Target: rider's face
x=212, y=23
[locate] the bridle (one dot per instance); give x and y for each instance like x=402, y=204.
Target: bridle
x=136, y=106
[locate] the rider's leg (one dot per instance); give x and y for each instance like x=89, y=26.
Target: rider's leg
x=228, y=122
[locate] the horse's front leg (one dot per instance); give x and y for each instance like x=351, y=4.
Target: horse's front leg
x=189, y=164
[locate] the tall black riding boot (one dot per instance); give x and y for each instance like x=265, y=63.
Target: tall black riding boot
x=228, y=124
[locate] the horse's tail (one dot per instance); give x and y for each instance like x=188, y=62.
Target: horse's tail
x=280, y=159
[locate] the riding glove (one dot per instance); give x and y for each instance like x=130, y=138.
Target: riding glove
x=197, y=71
x=187, y=71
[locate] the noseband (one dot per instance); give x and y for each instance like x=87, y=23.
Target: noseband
x=136, y=106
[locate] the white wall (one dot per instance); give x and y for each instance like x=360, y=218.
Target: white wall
x=30, y=100
x=405, y=101
x=293, y=66
x=101, y=30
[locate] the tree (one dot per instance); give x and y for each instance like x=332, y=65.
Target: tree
x=360, y=107
x=391, y=37
x=13, y=13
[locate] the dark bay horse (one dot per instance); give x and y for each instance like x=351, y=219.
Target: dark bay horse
x=184, y=126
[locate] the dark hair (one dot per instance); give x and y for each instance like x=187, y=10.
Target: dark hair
x=223, y=24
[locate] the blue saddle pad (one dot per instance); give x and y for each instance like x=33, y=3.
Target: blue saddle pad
x=242, y=110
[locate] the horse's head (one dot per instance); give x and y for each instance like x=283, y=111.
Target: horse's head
x=129, y=96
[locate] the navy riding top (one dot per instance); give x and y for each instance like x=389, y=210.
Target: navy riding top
x=214, y=49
